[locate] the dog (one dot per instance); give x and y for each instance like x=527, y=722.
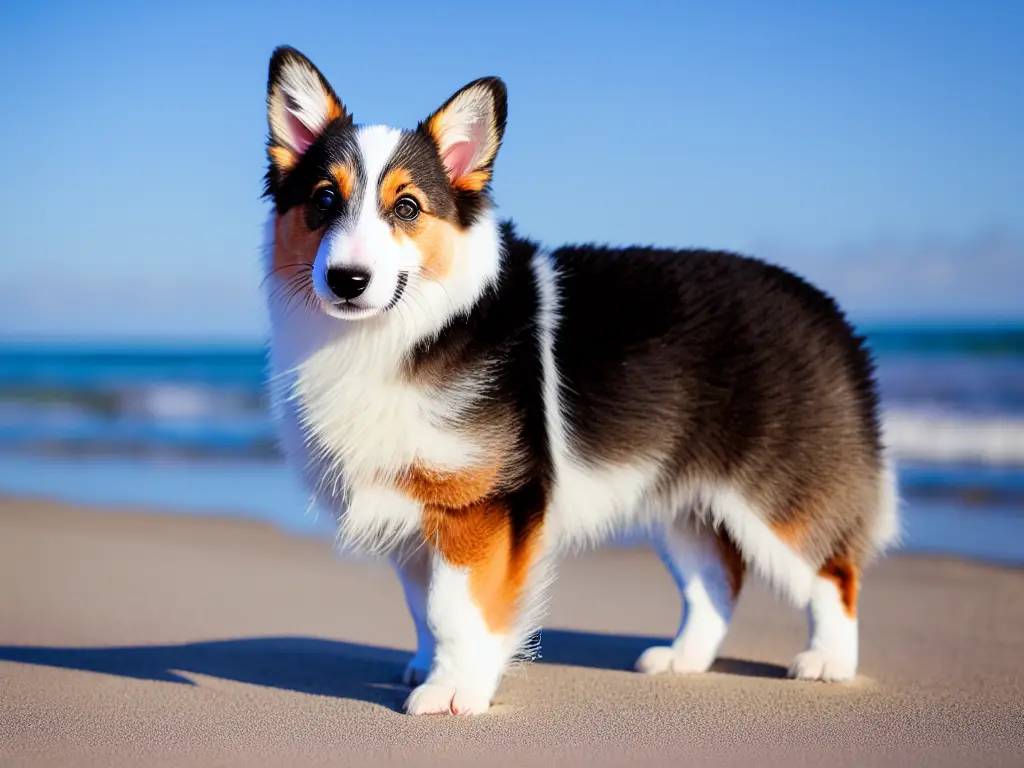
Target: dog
x=469, y=403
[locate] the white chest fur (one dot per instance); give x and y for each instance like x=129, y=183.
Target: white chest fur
x=349, y=419
x=356, y=406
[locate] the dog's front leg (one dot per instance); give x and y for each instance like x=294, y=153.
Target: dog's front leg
x=412, y=563
x=481, y=584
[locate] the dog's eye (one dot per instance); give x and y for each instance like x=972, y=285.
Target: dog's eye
x=324, y=199
x=407, y=209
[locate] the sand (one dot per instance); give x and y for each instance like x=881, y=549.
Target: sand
x=130, y=639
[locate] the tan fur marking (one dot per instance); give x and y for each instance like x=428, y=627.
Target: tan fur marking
x=735, y=568
x=474, y=181
x=793, y=530
x=282, y=157
x=435, y=239
x=846, y=576
x=392, y=184
x=449, y=490
x=435, y=126
x=345, y=178
x=334, y=109
x=294, y=245
x=479, y=538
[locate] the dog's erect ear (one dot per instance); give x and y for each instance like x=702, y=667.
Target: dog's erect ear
x=300, y=105
x=468, y=130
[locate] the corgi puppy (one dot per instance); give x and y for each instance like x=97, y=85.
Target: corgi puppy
x=470, y=403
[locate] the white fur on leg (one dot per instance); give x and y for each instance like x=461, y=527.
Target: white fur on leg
x=468, y=658
x=413, y=569
x=693, y=559
x=832, y=655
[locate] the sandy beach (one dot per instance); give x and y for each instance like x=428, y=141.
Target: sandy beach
x=141, y=639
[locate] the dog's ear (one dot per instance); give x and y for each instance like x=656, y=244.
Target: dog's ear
x=300, y=105
x=468, y=130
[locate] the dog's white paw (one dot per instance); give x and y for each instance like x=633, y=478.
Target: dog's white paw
x=416, y=672
x=441, y=699
x=818, y=665
x=664, y=659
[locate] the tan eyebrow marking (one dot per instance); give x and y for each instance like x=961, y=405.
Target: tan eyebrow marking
x=392, y=184
x=345, y=178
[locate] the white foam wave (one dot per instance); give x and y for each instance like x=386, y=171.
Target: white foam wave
x=922, y=436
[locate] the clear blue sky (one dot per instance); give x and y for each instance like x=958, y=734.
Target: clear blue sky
x=877, y=147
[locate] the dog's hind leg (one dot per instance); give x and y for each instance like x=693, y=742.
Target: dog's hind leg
x=832, y=651
x=709, y=572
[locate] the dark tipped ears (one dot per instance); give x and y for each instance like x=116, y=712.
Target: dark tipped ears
x=300, y=105
x=468, y=130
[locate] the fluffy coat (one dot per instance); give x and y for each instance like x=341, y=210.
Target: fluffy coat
x=470, y=403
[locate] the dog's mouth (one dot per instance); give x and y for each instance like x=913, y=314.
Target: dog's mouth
x=351, y=309
x=403, y=280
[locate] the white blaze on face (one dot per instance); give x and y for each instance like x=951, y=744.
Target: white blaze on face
x=365, y=241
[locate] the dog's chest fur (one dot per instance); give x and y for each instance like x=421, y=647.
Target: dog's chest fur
x=355, y=421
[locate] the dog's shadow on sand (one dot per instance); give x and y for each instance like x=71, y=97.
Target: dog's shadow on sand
x=330, y=667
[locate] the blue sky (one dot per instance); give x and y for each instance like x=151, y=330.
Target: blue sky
x=873, y=146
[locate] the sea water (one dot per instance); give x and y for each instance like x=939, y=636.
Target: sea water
x=186, y=429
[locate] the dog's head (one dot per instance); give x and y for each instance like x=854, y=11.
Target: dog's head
x=371, y=215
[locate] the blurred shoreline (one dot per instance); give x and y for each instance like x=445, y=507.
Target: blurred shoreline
x=950, y=395
x=187, y=428
x=967, y=522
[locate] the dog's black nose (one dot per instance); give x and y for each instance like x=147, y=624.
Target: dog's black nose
x=347, y=282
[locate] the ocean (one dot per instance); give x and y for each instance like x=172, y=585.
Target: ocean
x=186, y=429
